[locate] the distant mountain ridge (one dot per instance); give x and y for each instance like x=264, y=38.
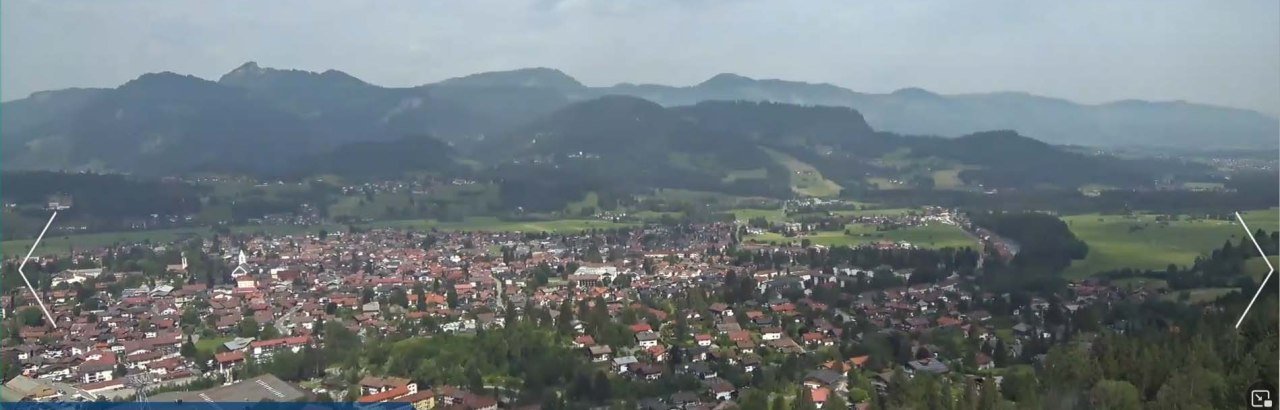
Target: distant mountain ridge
x=260, y=119
x=463, y=107
x=628, y=141
x=750, y=148
x=915, y=111
x=537, y=77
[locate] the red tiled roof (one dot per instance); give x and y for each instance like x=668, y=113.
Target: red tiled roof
x=416, y=397
x=820, y=394
x=288, y=341
x=227, y=357
x=384, y=396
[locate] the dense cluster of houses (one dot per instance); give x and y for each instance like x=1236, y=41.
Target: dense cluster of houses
x=292, y=283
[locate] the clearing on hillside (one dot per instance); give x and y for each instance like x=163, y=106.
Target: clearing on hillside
x=805, y=179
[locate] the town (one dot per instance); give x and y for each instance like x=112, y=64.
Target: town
x=701, y=317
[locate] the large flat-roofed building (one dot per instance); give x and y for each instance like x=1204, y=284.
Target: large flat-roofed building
x=266, y=387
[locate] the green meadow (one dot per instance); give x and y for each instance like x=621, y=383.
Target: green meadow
x=1142, y=242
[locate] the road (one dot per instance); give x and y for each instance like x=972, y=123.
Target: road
x=284, y=320
x=501, y=303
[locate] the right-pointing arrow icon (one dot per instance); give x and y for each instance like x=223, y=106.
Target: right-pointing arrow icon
x=1270, y=269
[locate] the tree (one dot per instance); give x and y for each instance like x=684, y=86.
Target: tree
x=804, y=400
x=990, y=395
x=564, y=323
x=1001, y=355
x=1193, y=388
x=542, y=273
x=601, y=390
x=779, y=403
x=188, y=349
x=1114, y=395
x=593, y=255
x=248, y=327
x=899, y=396
x=319, y=326
x=755, y=399
x=1070, y=368
x=834, y=402
x=475, y=381
x=10, y=367
x=31, y=316
x=969, y=401
x=421, y=293
x=269, y=332
x=399, y=298
x=1020, y=385
x=190, y=317
x=551, y=402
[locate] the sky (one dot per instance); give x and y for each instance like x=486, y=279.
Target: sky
x=1216, y=52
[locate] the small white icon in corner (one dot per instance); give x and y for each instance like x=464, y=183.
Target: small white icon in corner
x=1260, y=399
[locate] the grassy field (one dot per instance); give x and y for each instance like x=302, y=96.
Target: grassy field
x=877, y=212
x=62, y=245
x=654, y=215
x=1198, y=296
x=1203, y=186
x=898, y=158
x=359, y=207
x=777, y=216
x=805, y=179
x=1141, y=282
x=926, y=236
x=758, y=173
x=772, y=215
x=885, y=183
x=686, y=195
x=211, y=344
x=1094, y=189
x=496, y=225
x=1140, y=242
x=947, y=179
x=934, y=235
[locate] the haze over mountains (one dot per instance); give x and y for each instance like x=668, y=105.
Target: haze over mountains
x=257, y=119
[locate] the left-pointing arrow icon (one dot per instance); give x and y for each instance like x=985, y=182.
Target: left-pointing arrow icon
x=23, y=265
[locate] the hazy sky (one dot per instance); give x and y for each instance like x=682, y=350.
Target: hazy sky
x=1219, y=52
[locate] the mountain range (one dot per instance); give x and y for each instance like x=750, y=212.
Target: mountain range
x=729, y=132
